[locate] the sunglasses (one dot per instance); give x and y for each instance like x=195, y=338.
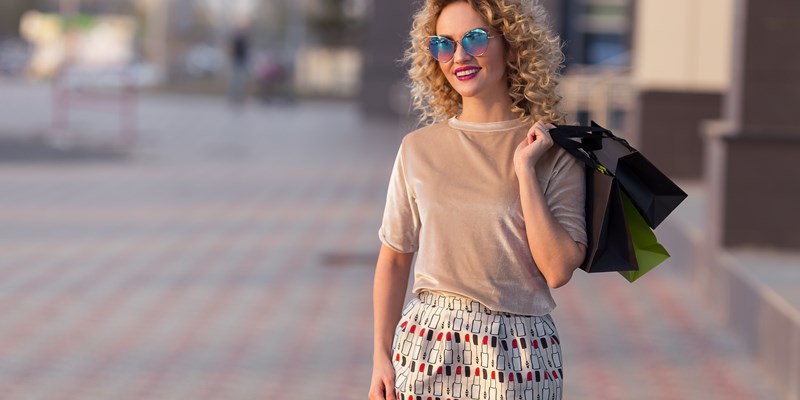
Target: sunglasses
x=474, y=42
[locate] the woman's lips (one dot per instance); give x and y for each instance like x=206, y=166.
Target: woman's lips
x=466, y=73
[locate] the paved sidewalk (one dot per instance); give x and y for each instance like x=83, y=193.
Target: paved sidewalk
x=230, y=256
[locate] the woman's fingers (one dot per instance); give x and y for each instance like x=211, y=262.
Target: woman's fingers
x=528, y=152
x=532, y=133
x=384, y=390
x=382, y=387
x=390, y=390
x=536, y=132
x=543, y=132
x=377, y=393
x=539, y=129
x=525, y=141
x=388, y=382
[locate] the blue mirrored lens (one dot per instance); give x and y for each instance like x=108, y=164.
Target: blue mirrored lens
x=476, y=42
x=441, y=48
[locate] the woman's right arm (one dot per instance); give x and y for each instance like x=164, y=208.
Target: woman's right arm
x=389, y=291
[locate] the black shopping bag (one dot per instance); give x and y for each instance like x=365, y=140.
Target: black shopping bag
x=652, y=192
x=610, y=245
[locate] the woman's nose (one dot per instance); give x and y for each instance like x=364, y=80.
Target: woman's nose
x=461, y=55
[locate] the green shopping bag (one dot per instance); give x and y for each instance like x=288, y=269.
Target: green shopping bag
x=649, y=253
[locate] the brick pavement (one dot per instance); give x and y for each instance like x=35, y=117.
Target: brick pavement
x=196, y=268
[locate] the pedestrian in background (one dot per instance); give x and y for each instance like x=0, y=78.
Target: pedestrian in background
x=493, y=211
x=239, y=51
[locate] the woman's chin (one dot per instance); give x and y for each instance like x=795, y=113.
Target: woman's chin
x=474, y=90
x=467, y=92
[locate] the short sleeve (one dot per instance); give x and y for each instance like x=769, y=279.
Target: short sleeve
x=566, y=195
x=400, y=226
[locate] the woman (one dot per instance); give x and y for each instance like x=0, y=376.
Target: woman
x=492, y=210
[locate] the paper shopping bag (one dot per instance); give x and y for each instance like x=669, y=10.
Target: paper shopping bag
x=649, y=253
x=610, y=243
x=650, y=190
x=610, y=247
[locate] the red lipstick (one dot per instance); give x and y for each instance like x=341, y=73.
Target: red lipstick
x=466, y=72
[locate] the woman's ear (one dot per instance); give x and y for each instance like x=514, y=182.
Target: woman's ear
x=506, y=48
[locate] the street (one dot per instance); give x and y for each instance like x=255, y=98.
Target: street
x=229, y=254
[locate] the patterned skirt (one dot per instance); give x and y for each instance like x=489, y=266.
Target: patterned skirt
x=447, y=346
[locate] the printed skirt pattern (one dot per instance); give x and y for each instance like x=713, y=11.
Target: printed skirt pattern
x=447, y=346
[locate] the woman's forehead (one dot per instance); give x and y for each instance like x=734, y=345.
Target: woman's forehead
x=458, y=18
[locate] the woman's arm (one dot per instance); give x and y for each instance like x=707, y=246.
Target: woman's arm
x=391, y=280
x=389, y=290
x=555, y=252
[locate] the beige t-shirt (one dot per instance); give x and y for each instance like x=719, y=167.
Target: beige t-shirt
x=453, y=198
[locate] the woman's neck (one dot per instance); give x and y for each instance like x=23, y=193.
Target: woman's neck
x=482, y=110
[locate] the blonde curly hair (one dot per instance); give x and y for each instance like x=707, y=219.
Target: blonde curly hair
x=533, y=61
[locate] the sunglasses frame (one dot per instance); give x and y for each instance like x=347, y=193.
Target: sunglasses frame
x=460, y=43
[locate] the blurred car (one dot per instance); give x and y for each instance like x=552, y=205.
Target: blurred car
x=202, y=60
x=14, y=56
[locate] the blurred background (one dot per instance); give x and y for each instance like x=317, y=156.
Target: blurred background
x=190, y=193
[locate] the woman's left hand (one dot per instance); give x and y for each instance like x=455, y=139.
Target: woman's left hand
x=536, y=143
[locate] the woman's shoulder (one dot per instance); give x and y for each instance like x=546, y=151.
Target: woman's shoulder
x=424, y=135
x=555, y=159
x=562, y=160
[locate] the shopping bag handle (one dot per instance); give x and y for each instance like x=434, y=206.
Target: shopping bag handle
x=589, y=132
x=581, y=131
x=590, y=140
